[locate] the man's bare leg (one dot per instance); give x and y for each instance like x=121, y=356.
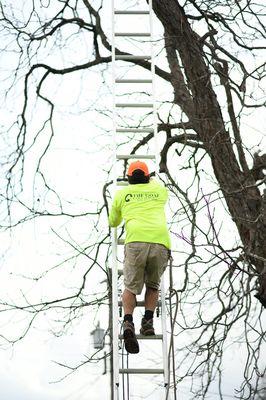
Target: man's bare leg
x=151, y=298
x=129, y=302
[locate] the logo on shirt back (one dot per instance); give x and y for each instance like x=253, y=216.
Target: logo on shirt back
x=141, y=196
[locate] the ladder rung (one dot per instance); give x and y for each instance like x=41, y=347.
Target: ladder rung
x=141, y=303
x=143, y=337
x=135, y=130
x=140, y=371
x=133, y=81
x=125, y=12
x=132, y=34
x=136, y=105
x=133, y=156
x=131, y=57
x=121, y=183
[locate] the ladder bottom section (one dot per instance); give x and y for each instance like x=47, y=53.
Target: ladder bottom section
x=141, y=371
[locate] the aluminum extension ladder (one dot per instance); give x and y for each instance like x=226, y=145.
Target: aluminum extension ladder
x=124, y=80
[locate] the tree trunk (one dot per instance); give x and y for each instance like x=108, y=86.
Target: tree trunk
x=243, y=198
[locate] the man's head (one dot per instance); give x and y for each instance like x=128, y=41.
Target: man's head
x=138, y=172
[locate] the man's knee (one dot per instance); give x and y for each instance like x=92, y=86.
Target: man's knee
x=151, y=289
x=129, y=294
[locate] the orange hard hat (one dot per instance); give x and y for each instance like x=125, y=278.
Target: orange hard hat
x=138, y=165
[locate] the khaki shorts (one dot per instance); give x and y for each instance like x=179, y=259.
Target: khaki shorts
x=144, y=263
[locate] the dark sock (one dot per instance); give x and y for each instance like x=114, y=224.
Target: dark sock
x=128, y=317
x=148, y=315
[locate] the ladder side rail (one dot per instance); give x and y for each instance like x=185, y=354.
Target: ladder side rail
x=115, y=315
x=153, y=95
x=164, y=333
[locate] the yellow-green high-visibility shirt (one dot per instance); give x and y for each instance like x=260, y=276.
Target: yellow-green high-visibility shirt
x=141, y=206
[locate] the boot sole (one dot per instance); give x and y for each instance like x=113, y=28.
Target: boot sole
x=147, y=332
x=131, y=343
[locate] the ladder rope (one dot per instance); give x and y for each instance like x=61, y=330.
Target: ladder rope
x=127, y=379
x=171, y=354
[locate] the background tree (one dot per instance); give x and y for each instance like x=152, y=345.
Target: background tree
x=210, y=61
x=261, y=390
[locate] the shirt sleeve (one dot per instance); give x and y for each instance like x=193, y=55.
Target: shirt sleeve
x=115, y=215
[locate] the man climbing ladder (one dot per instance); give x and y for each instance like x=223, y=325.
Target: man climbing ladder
x=147, y=245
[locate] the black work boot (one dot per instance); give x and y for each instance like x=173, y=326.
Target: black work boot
x=131, y=343
x=147, y=328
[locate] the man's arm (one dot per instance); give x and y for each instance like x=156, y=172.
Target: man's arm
x=115, y=217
